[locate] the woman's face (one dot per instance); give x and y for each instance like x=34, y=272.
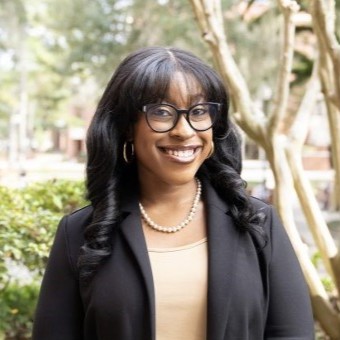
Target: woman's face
x=172, y=157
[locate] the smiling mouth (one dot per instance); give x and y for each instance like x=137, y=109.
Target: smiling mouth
x=182, y=153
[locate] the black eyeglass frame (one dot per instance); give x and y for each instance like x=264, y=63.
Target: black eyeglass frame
x=179, y=112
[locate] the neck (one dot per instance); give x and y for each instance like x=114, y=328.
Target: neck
x=183, y=223
x=158, y=191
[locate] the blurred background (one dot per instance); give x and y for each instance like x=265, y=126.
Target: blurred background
x=55, y=60
x=56, y=57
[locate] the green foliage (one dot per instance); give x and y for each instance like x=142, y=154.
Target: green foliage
x=316, y=258
x=52, y=51
x=17, y=307
x=302, y=68
x=95, y=35
x=328, y=284
x=28, y=220
x=326, y=280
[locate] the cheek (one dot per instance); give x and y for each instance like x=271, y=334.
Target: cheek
x=207, y=138
x=144, y=141
x=140, y=132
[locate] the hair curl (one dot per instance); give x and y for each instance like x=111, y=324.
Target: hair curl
x=142, y=78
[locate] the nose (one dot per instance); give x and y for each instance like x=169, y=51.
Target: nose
x=182, y=129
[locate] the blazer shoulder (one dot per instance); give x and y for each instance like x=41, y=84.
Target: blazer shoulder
x=260, y=205
x=82, y=211
x=80, y=217
x=75, y=223
x=71, y=233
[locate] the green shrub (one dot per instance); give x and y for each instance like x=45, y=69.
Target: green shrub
x=30, y=216
x=28, y=220
x=17, y=307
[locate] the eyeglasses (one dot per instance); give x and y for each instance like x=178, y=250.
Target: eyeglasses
x=164, y=117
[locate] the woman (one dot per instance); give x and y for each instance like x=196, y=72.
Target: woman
x=171, y=246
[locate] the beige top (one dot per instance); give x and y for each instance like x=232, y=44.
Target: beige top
x=181, y=279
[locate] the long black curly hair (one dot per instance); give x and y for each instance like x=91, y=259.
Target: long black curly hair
x=144, y=77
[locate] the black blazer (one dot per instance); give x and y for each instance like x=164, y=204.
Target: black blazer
x=253, y=293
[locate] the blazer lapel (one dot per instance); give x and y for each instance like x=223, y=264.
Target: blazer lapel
x=131, y=228
x=223, y=239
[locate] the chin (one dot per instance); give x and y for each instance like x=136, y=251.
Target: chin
x=180, y=178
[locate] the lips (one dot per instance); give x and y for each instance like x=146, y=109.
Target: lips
x=185, y=153
x=180, y=153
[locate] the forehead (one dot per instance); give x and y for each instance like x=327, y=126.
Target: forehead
x=184, y=89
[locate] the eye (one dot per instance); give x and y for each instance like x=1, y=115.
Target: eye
x=198, y=111
x=161, y=112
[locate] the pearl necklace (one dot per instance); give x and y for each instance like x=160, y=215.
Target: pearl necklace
x=180, y=226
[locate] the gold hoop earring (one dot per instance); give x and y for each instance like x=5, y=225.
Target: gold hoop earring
x=128, y=159
x=211, y=150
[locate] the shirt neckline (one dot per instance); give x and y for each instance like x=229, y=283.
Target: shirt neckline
x=171, y=249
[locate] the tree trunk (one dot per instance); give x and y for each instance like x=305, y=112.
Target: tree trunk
x=285, y=196
x=333, y=114
x=323, y=14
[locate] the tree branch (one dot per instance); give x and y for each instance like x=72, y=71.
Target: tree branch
x=324, y=26
x=323, y=14
x=280, y=102
x=209, y=16
x=299, y=129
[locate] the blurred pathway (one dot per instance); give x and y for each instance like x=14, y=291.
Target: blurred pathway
x=40, y=168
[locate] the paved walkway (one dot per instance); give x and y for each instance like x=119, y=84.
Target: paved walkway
x=40, y=168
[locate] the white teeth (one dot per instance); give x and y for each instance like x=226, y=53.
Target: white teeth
x=180, y=153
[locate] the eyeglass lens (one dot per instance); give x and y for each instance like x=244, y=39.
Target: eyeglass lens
x=164, y=117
